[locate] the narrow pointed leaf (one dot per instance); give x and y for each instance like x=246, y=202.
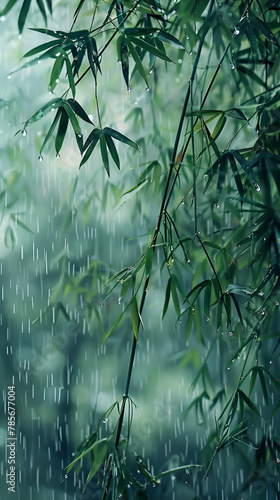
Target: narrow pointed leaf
x=72, y=117
x=104, y=154
x=171, y=40
x=99, y=457
x=8, y=7
x=134, y=317
x=175, y=297
x=23, y=14
x=51, y=129
x=56, y=70
x=62, y=129
x=41, y=6
x=167, y=298
x=149, y=48
x=120, y=137
x=138, y=62
x=113, y=151
x=77, y=108
x=41, y=48
x=248, y=402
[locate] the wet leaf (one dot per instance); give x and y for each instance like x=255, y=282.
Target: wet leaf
x=41, y=6
x=23, y=14
x=120, y=137
x=51, y=129
x=99, y=456
x=175, y=296
x=134, y=316
x=149, y=48
x=248, y=402
x=104, y=154
x=113, y=150
x=8, y=7
x=61, y=132
x=138, y=62
x=167, y=298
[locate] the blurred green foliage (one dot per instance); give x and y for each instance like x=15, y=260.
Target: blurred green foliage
x=158, y=279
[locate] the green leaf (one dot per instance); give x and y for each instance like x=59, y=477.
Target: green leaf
x=10, y=238
x=263, y=384
x=149, y=48
x=72, y=117
x=248, y=402
x=51, y=129
x=113, y=150
x=99, y=456
x=62, y=129
x=207, y=296
x=149, y=260
x=120, y=137
x=90, y=144
x=77, y=108
x=23, y=14
x=8, y=7
x=167, y=298
x=41, y=6
x=265, y=30
x=175, y=296
x=70, y=76
x=55, y=103
x=42, y=47
x=253, y=378
x=134, y=316
x=123, y=57
x=56, y=70
x=171, y=40
x=138, y=62
x=104, y=154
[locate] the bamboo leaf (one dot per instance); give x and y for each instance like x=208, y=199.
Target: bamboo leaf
x=248, y=402
x=8, y=7
x=23, y=14
x=134, y=316
x=104, y=153
x=171, y=40
x=41, y=6
x=138, y=62
x=77, y=108
x=51, y=129
x=175, y=296
x=149, y=260
x=167, y=298
x=99, y=456
x=62, y=129
x=253, y=379
x=113, y=150
x=120, y=137
x=263, y=384
x=148, y=47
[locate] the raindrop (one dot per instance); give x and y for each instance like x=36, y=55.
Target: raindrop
x=230, y=334
x=148, y=89
x=146, y=289
x=129, y=88
x=236, y=32
x=40, y=158
x=105, y=421
x=57, y=155
x=187, y=37
x=66, y=476
x=9, y=77
x=228, y=367
x=218, y=205
x=24, y=133
x=187, y=471
x=232, y=65
x=256, y=186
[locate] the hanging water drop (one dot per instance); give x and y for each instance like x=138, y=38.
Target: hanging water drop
x=256, y=186
x=24, y=133
x=236, y=32
x=40, y=158
x=232, y=65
